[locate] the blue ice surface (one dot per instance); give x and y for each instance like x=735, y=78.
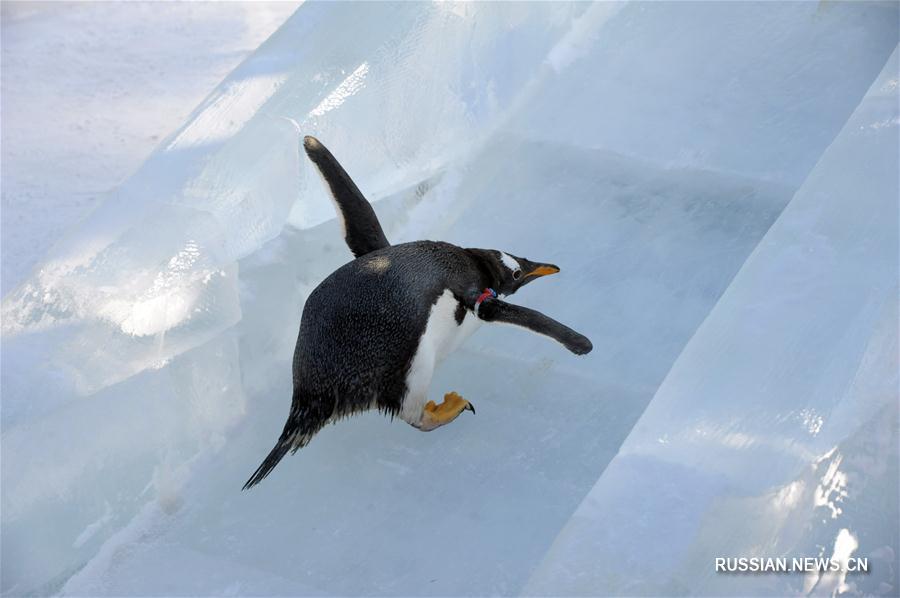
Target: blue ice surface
x=715, y=181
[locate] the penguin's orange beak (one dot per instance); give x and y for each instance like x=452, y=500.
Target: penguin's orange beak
x=543, y=270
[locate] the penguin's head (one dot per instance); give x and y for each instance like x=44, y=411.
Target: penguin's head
x=510, y=272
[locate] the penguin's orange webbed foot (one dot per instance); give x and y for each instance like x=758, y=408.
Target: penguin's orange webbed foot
x=435, y=415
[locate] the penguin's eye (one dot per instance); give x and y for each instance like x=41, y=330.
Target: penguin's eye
x=517, y=274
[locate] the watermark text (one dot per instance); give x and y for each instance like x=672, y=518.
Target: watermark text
x=790, y=565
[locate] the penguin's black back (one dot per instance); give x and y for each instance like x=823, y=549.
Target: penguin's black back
x=361, y=327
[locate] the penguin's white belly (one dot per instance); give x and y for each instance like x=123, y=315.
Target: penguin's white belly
x=443, y=332
x=441, y=337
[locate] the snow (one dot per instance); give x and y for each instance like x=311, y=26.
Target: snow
x=687, y=166
x=91, y=88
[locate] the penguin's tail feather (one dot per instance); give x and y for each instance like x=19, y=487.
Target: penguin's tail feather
x=269, y=463
x=303, y=423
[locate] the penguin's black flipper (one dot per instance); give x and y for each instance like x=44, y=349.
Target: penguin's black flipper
x=362, y=232
x=495, y=310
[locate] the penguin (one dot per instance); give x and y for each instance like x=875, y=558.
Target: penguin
x=372, y=333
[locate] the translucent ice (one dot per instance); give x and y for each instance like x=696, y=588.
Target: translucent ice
x=775, y=432
x=645, y=148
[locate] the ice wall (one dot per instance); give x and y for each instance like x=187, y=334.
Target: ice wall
x=146, y=364
x=775, y=432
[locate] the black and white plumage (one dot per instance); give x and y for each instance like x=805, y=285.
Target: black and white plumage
x=372, y=332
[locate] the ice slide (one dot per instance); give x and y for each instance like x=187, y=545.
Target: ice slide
x=775, y=433
x=646, y=148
